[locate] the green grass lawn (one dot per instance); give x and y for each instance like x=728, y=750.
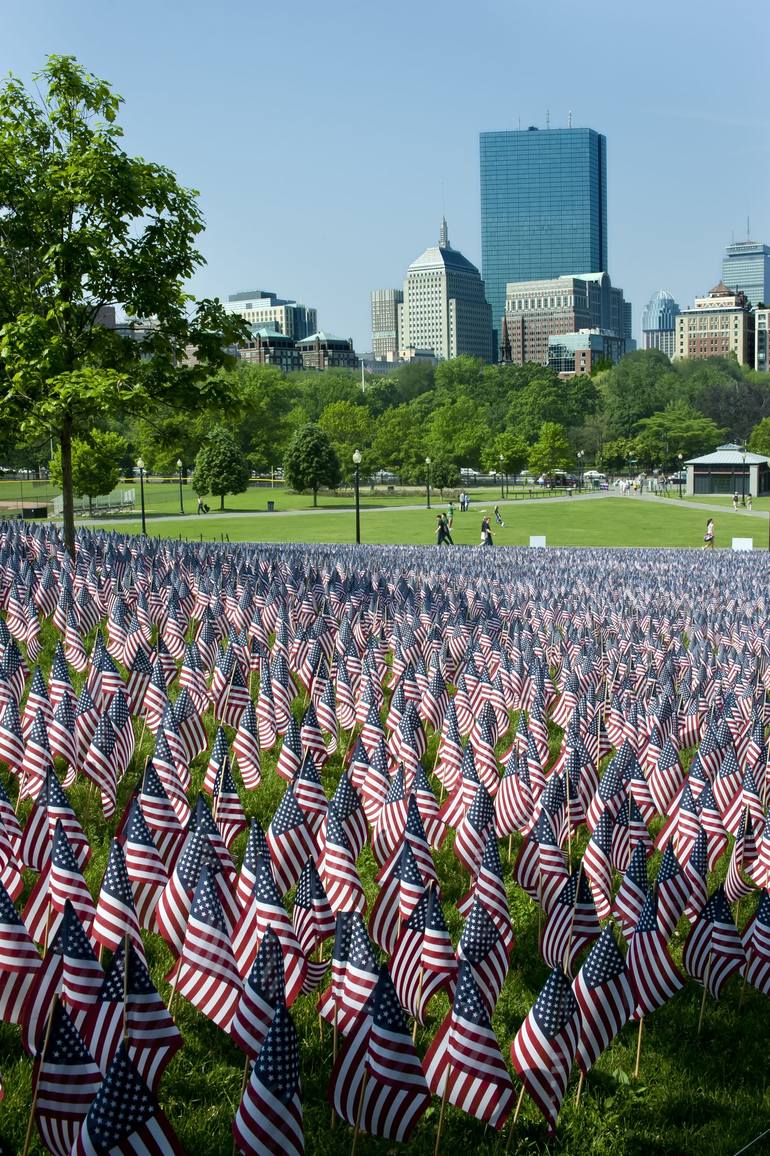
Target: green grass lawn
x=607, y=521
x=706, y=1095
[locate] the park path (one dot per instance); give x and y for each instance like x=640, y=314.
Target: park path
x=709, y=507
x=476, y=507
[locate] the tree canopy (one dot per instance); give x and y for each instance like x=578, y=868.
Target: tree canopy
x=310, y=461
x=96, y=464
x=220, y=467
x=84, y=228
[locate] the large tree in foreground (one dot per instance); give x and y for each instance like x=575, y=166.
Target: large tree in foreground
x=83, y=226
x=311, y=461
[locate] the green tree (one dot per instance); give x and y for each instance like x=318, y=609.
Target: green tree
x=512, y=449
x=348, y=427
x=96, y=462
x=310, y=461
x=84, y=226
x=457, y=429
x=633, y=389
x=678, y=428
x=443, y=475
x=759, y=438
x=551, y=451
x=220, y=467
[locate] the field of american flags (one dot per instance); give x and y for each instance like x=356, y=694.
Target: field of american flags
x=579, y=661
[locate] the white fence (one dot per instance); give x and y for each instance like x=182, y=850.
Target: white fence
x=112, y=503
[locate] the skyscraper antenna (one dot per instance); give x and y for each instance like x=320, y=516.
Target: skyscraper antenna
x=569, y=119
x=548, y=118
x=748, y=229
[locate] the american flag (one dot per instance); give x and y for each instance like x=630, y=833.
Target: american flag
x=256, y=845
x=673, y=891
x=312, y=916
x=354, y=973
x=115, y=912
x=482, y=946
x=128, y=1007
x=173, y=906
x=264, y=911
x=756, y=944
x=652, y=973
x=544, y=1048
x=540, y=867
x=124, y=1118
x=290, y=841
x=269, y=1119
x=377, y=1084
x=632, y=892
x=401, y=890
x=146, y=870
x=339, y=875
x=246, y=748
x=347, y=806
x=160, y=816
x=423, y=960
x=572, y=923
x=66, y=1080
x=310, y=795
x=696, y=871
x=473, y=830
x=19, y=961
x=463, y=1063
x=489, y=888
x=742, y=859
x=51, y=805
x=229, y=814
x=604, y=997
x=263, y=991
x=65, y=879
x=713, y=950
x=206, y=973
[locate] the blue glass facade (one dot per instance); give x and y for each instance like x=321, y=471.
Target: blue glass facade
x=543, y=207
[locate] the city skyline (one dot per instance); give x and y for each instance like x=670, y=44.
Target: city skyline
x=351, y=185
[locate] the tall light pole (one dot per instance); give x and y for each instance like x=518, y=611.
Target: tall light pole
x=140, y=467
x=427, y=479
x=181, y=498
x=502, y=479
x=743, y=476
x=357, y=464
x=580, y=455
x=679, y=475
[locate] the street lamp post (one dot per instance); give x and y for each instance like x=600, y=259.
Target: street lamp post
x=502, y=479
x=743, y=477
x=140, y=467
x=357, y=464
x=679, y=475
x=181, y=497
x=427, y=479
x=580, y=456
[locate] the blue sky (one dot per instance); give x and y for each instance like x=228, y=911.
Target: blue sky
x=326, y=139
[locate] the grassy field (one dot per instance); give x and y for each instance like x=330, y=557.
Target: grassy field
x=706, y=1095
x=609, y=521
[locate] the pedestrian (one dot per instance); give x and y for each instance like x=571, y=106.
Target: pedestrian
x=462, y=501
x=447, y=530
x=498, y=516
x=486, y=531
x=439, y=530
x=748, y=501
x=708, y=537
x=735, y=500
x=451, y=514
x=201, y=507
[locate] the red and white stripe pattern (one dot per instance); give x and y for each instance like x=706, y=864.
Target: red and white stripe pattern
x=544, y=1048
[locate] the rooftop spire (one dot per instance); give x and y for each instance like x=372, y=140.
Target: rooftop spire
x=443, y=235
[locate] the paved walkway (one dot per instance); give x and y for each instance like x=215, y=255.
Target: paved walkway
x=477, y=505
x=709, y=507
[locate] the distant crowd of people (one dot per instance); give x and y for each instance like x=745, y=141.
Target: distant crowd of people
x=444, y=523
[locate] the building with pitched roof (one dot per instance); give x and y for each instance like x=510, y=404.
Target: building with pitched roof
x=716, y=325
x=730, y=469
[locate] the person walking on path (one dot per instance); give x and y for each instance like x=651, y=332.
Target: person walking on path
x=708, y=537
x=447, y=530
x=735, y=500
x=486, y=531
x=748, y=502
x=499, y=516
x=451, y=515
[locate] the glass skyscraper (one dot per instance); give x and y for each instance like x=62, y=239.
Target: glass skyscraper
x=746, y=267
x=543, y=207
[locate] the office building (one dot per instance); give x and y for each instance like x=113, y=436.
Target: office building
x=577, y=353
x=659, y=323
x=715, y=326
x=538, y=310
x=268, y=346
x=261, y=307
x=543, y=207
x=761, y=331
x=324, y=351
x=746, y=269
x=385, y=323
x=444, y=309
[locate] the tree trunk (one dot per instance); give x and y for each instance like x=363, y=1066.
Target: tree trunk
x=221, y=501
x=315, y=495
x=68, y=503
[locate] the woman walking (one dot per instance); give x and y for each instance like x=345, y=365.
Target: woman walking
x=486, y=531
x=708, y=537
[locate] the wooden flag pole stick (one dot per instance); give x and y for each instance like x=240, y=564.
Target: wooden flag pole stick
x=244, y=1081
x=513, y=1123
x=705, y=991
x=638, y=1048
x=335, y=1037
x=444, y=1098
x=30, y=1123
x=579, y=1092
x=510, y=845
x=125, y=987
x=419, y=997
x=359, y=1110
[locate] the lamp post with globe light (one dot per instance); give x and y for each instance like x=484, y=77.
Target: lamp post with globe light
x=140, y=467
x=679, y=475
x=580, y=455
x=427, y=479
x=357, y=464
x=502, y=478
x=181, y=497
